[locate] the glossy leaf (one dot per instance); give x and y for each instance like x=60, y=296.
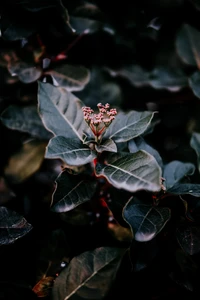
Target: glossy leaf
x=127, y=126
x=71, y=191
x=25, y=162
x=185, y=188
x=61, y=111
x=146, y=221
x=166, y=78
x=139, y=143
x=73, y=78
x=175, y=171
x=194, y=82
x=71, y=151
x=188, y=45
x=107, y=145
x=189, y=239
x=195, y=144
x=25, y=72
x=89, y=275
x=25, y=119
x=13, y=226
x=131, y=172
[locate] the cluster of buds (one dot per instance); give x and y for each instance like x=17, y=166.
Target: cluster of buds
x=98, y=122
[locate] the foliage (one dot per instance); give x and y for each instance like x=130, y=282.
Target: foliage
x=100, y=147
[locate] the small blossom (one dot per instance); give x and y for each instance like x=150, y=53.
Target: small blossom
x=98, y=122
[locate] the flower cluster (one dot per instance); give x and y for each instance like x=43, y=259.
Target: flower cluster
x=98, y=122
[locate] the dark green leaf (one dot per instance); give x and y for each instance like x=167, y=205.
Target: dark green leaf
x=13, y=31
x=175, y=171
x=85, y=25
x=107, y=145
x=71, y=151
x=185, y=188
x=195, y=144
x=188, y=45
x=135, y=74
x=140, y=144
x=146, y=221
x=25, y=119
x=127, y=126
x=26, y=73
x=194, y=82
x=71, y=191
x=100, y=90
x=131, y=172
x=89, y=275
x=61, y=111
x=73, y=78
x=189, y=239
x=12, y=225
x=166, y=78
x=196, y=3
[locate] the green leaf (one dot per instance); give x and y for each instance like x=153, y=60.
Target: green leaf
x=131, y=172
x=72, y=151
x=167, y=78
x=61, y=111
x=137, y=76
x=25, y=119
x=89, y=275
x=26, y=73
x=195, y=144
x=13, y=226
x=194, y=82
x=107, y=145
x=188, y=45
x=185, y=188
x=71, y=191
x=73, y=78
x=146, y=221
x=129, y=125
x=140, y=144
x=85, y=25
x=175, y=171
x=189, y=239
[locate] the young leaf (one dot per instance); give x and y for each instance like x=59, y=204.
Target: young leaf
x=129, y=125
x=175, y=171
x=189, y=239
x=71, y=191
x=107, y=145
x=12, y=225
x=131, y=172
x=195, y=144
x=43, y=287
x=188, y=45
x=61, y=111
x=89, y=275
x=73, y=78
x=194, y=82
x=146, y=221
x=185, y=188
x=140, y=144
x=72, y=151
x=25, y=119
